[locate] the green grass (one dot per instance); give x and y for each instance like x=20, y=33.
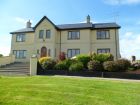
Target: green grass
x=55, y=90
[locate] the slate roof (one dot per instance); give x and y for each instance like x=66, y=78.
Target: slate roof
x=24, y=30
x=70, y=26
x=74, y=26
x=105, y=25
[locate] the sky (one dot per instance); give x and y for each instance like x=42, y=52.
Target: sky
x=15, y=13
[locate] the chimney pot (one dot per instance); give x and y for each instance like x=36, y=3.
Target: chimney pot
x=28, y=25
x=88, y=19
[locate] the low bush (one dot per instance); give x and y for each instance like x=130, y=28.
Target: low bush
x=76, y=66
x=135, y=65
x=122, y=64
x=1, y=55
x=46, y=63
x=43, y=60
x=118, y=65
x=109, y=66
x=61, y=66
x=95, y=66
x=49, y=64
x=84, y=59
x=102, y=57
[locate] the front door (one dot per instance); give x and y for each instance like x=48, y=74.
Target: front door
x=43, y=52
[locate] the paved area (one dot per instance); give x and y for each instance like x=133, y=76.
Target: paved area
x=117, y=79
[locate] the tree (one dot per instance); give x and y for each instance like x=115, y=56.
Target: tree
x=1, y=55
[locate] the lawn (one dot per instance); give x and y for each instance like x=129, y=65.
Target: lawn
x=57, y=90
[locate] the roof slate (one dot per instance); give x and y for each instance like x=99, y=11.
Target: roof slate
x=24, y=30
x=75, y=26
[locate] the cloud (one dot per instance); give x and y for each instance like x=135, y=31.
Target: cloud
x=5, y=45
x=22, y=21
x=130, y=45
x=121, y=2
x=90, y=21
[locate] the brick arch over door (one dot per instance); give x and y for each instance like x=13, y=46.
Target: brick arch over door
x=43, y=52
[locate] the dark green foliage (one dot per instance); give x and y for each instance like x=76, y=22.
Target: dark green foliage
x=61, y=66
x=109, y=66
x=102, y=57
x=95, y=66
x=84, y=59
x=76, y=66
x=68, y=62
x=1, y=55
x=49, y=64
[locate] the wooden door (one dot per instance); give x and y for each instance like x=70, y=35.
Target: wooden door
x=43, y=52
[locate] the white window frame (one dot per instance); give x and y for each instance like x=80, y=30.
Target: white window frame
x=20, y=37
x=72, y=52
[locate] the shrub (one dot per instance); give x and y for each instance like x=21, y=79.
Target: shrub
x=43, y=60
x=95, y=65
x=135, y=65
x=49, y=64
x=62, y=56
x=61, y=66
x=102, y=57
x=122, y=64
x=1, y=55
x=109, y=66
x=76, y=66
x=84, y=59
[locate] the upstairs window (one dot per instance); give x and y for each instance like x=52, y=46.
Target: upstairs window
x=104, y=50
x=41, y=34
x=73, y=35
x=48, y=34
x=103, y=34
x=20, y=37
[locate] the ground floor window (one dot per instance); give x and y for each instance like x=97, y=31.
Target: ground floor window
x=19, y=53
x=72, y=52
x=104, y=50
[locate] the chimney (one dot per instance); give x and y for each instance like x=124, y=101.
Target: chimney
x=28, y=25
x=88, y=19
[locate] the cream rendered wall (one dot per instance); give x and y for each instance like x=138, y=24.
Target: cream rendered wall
x=83, y=43
x=106, y=43
x=88, y=42
x=27, y=45
x=58, y=47
x=48, y=43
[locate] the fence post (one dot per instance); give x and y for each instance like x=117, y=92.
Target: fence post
x=33, y=65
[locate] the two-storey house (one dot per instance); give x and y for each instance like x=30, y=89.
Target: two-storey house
x=48, y=39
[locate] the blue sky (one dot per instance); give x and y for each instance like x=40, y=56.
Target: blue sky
x=15, y=13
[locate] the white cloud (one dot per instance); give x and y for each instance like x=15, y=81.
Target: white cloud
x=5, y=50
x=5, y=45
x=130, y=45
x=22, y=21
x=122, y=2
x=90, y=21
